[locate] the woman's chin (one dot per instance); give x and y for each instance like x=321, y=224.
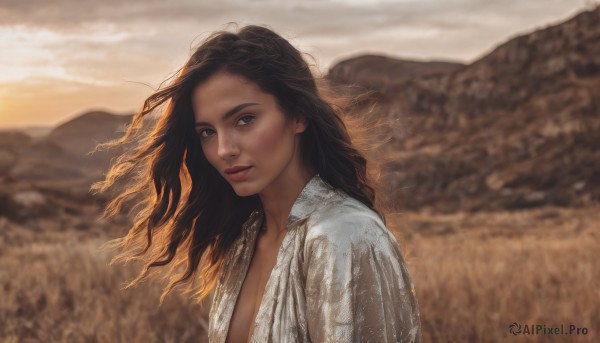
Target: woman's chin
x=243, y=190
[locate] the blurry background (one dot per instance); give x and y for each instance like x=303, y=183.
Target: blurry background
x=496, y=173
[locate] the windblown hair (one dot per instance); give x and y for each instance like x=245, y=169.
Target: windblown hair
x=186, y=214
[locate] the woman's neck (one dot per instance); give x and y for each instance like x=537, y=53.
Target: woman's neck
x=277, y=200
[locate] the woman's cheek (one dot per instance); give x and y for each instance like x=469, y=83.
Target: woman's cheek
x=266, y=139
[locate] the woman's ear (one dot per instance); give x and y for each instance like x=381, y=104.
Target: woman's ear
x=300, y=124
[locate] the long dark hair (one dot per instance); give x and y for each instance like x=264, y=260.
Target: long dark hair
x=187, y=214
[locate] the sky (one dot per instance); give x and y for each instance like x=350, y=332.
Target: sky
x=61, y=58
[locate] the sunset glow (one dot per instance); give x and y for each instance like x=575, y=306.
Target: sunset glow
x=63, y=58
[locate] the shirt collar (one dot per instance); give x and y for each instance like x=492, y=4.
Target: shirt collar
x=313, y=195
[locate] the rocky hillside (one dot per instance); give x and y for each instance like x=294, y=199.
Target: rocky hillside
x=519, y=127
x=53, y=172
x=377, y=72
x=81, y=134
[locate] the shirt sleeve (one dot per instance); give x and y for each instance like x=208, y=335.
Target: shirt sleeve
x=358, y=288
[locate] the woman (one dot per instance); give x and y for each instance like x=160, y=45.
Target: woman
x=278, y=210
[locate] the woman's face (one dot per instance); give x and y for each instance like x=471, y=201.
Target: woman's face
x=240, y=125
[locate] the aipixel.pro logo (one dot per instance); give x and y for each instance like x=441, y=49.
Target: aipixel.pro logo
x=543, y=329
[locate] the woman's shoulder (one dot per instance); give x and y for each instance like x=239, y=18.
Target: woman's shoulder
x=346, y=219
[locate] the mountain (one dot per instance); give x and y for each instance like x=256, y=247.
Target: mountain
x=50, y=173
x=34, y=131
x=11, y=142
x=376, y=72
x=61, y=153
x=517, y=128
x=80, y=135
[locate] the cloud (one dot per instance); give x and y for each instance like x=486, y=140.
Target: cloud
x=112, y=43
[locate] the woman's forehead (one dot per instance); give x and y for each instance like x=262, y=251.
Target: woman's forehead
x=222, y=92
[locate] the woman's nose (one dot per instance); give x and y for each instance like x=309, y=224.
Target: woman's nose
x=227, y=146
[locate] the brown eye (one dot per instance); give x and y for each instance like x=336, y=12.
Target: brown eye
x=201, y=133
x=246, y=119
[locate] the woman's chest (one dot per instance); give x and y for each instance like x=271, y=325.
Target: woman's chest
x=266, y=293
x=252, y=290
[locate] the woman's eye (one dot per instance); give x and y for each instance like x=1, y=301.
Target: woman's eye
x=246, y=119
x=202, y=133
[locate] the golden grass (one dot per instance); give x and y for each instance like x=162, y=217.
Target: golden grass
x=475, y=274
x=65, y=292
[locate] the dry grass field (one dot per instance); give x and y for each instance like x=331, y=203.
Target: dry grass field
x=57, y=287
x=475, y=274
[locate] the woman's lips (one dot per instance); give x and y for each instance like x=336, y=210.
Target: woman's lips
x=236, y=168
x=239, y=175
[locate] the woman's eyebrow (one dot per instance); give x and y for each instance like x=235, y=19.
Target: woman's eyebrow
x=230, y=112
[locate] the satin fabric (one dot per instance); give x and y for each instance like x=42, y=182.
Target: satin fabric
x=339, y=276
